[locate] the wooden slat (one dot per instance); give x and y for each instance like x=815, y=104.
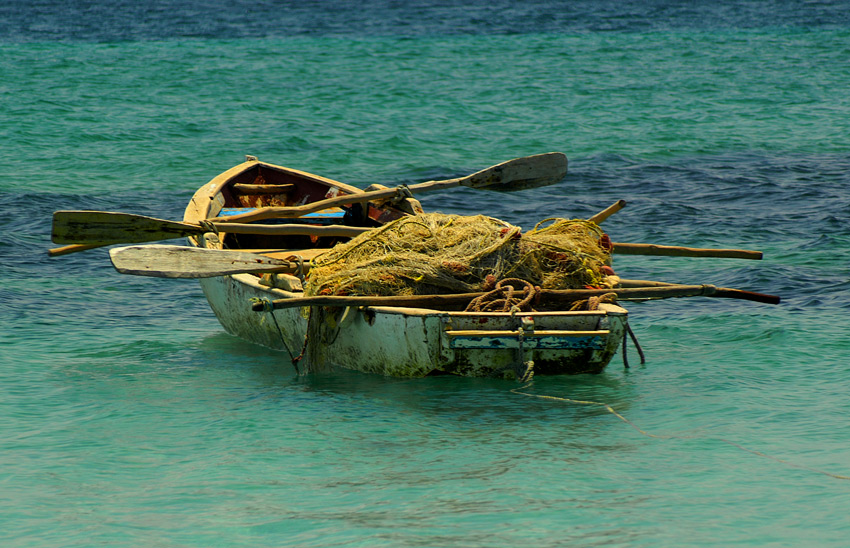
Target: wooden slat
x=539, y=333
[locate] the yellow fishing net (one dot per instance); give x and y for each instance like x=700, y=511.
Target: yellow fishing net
x=434, y=253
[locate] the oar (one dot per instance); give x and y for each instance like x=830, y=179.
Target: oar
x=718, y=292
x=73, y=248
x=166, y=261
x=677, y=251
x=106, y=228
x=94, y=229
x=91, y=229
x=190, y=262
x=516, y=174
x=551, y=296
x=643, y=283
x=171, y=261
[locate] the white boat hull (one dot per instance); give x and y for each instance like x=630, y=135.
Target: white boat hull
x=405, y=342
x=410, y=342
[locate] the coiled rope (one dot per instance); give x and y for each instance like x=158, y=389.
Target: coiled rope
x=503, y=297
x=592, y=303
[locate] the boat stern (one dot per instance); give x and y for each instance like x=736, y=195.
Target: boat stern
x=547, y=343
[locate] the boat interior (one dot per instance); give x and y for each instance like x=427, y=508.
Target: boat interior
x=264, y=185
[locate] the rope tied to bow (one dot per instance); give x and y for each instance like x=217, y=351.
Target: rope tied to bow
x=402, y=193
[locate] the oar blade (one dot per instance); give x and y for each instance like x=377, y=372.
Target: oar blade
x=106, y=228
x=172, y=261
x=520, y=173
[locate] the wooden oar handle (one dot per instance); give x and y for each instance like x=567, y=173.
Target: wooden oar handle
x=746, y=295
x=73, y=248
x=722, y=292
x=607, y=212
x=676, y=251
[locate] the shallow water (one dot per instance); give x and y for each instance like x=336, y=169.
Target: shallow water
x=129, y=417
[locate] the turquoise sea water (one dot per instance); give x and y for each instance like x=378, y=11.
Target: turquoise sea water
x=129, y=418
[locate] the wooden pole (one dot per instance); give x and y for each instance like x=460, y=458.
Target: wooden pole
x=549, y=296
x=677, y=251
x=73, y=248
x=607, y=212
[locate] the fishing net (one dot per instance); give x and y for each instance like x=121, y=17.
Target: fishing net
x=434, y=253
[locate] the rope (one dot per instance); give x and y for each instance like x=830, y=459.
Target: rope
x=592, y=303
x=269, y=307
x=306, y=339
x=529, y=371
x=299, y=269
x=636, y=343
x=626, y=334
x=625, y=346
x=208, y=226
x=402, y=193
x=502, y=298
x=649, y=435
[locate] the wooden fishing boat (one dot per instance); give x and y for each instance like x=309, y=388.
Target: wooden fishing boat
x=255, y=229
x=386, y=339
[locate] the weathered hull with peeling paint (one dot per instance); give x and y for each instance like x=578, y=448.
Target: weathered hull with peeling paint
x=411, y=342
x=393, y=341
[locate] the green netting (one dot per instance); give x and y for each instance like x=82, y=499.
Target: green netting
x=435, y=253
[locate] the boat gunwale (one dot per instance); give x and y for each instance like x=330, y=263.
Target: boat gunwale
x=605, y=309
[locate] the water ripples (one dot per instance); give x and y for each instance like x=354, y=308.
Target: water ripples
x=131, y=418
